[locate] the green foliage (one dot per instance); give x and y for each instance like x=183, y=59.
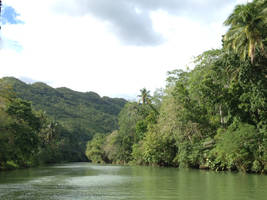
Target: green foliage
x=94, y=150
x=60, y=133
x=111, y=148
x=128, y=118
x=239, y=148
x=145, y=96
x=159, y=149
x=141, y=129
x=138, y=154
x=10, y=165
x=213, y=116
x=22, y=111
x=72, y=109
x=247, y=30
x=18, y=133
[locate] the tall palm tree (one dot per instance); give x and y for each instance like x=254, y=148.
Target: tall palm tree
x=146, y=99
x=145, y=96
x=247, y=32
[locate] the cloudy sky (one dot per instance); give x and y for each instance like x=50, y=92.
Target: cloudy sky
x=112, y=47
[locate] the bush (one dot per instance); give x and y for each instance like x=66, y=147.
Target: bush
x=94, y=150
x=159, y=149
x=238, y=148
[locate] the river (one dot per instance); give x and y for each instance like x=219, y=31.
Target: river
x=85, y=181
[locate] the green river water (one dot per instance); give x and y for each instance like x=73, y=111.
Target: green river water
x=82, y=181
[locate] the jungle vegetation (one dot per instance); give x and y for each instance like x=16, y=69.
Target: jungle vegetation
x=40, y=124
x=211, y=117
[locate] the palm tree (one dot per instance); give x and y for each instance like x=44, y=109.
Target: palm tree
x=145, y=96
x=247, y=32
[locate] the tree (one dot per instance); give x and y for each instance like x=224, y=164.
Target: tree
x=21, y=132
x=145, y=96
x=22, y=111
x=247, y=30
x=94, y=150
x=241, y=147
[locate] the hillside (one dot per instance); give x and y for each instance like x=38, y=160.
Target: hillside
x=74, y=110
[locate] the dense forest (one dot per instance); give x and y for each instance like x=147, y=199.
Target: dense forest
x=72, y=109
x=211, y=117
x=40, y=124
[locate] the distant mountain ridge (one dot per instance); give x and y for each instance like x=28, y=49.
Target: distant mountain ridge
x=75, y=110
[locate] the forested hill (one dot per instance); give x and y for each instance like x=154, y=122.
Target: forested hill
x=87, y=111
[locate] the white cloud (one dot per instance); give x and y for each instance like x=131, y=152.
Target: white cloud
x=82, y=53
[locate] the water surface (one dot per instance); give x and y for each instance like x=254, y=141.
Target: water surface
x=85, y=181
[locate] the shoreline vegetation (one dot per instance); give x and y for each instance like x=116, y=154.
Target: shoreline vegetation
x=40, y=124
x=212, y=117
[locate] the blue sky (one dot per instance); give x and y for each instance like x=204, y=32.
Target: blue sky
x=9, y=15
x=114, y=48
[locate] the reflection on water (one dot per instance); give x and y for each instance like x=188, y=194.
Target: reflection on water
x=82, y=181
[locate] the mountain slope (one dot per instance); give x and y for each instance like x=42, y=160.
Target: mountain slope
x=74, y=110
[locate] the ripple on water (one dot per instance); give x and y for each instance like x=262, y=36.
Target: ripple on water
x=90, y=181
x=89, y=166
x=83, y=181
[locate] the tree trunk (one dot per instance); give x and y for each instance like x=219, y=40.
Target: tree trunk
x=221, y=114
